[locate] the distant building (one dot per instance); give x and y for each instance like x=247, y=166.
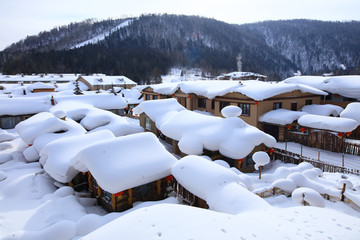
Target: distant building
x=95, y=82
x=242, y=76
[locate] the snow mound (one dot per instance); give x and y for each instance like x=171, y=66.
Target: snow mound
x=281, y=116
x=307, y=196
x=125, y=162
x=217, y=185
x=231, y=111
x=3, y=175
x=352, y=111
x=328, y=123
x=323, y=110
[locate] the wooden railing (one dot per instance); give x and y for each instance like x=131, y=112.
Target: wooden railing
x=290, y=157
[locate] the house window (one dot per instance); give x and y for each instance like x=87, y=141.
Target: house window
x=245, y=107
x=147, y=97
x=213, y=104
x=201, y=102
x=308, y=102
x=155, y=97
x=107, y=196
x=294, y=106
x=9, y=122
x=277, y=105
x=224, y=104
x=147, y=124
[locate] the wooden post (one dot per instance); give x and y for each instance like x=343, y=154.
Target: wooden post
x=260, y=172
x=285, y=146
x=343, y=161
x=342, y=192
x=319, y=155
x=130, y=196
x=158, y=186
x=301, y=150
x=113, y=202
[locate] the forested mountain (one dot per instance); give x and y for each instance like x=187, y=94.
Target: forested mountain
x=146, y=47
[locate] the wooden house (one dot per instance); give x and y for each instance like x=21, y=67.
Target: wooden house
x=126, y=169
x=255, y=98
x=96, y=82
x=40, y=87
x=193, y=133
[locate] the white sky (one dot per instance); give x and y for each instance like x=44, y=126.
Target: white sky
x=19, y=18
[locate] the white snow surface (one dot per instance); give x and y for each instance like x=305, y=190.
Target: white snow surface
x=125, y=162
x=352, y=111
x=218, y=186
x=56, y=156
x=231, y=136
x=323, y=110
x=101, y=37
x=196, y=223
x=328, y=123
x=281, y=116
x=347, y=86
x=257, y=90
x=24, y=105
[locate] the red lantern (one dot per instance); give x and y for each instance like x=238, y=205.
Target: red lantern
x=169, y=178
x=270, y=151
x=288, y=127
x=256, y=103
x=29, y=145
x=119, y=194
x=348, y=133
x=340, y=134
x=240, y=160
x=189, y=96
x=172, y=95
x=303, y=130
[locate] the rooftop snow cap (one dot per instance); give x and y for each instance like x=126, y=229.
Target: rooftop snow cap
x=231, y=136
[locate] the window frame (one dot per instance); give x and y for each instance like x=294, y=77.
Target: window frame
x=246, y=107
x=277, y=105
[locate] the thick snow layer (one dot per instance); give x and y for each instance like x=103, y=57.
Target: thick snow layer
x=328, y=123
x=231, y=136
x=95, y=80
x=132, y=96
x=352, y=111
x=308, y=196
x=217, y=185
x=102, y=101
x=94, y=119
x=125, y=162
x=39, y=85
x=56, y=156
x=260, y=158
x=347, y=86
x=257, y=90
x=323, y=110
x=281, y=116
x=24, y=105
x=195, y=223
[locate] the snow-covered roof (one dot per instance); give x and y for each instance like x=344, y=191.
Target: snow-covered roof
x=108, y=80
x=132, y=96
x=281, y=116
x=126, y=162
x=352, y=111
x=102, y=101
x=24, y=105
x=323, y=110
x=219, y=186
x=39, y=78
x=328, y=123
x=257, y=90
x=347, y=86
x=56, y=156
x=194, y=131
x=236, y=75
x=40, y=85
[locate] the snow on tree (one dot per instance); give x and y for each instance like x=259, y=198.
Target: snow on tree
x=261, y=159
x=77, y=90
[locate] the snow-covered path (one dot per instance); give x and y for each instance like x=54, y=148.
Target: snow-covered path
x=350, y=161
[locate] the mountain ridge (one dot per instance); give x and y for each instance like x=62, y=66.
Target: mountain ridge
x=150, y=45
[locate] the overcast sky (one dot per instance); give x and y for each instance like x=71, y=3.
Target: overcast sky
x=20, y=18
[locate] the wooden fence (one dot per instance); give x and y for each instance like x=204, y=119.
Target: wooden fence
x=290, y=157
x=323, y=140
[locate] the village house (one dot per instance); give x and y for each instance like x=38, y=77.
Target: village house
x=38, y=87
x=341, y=90
x=44, y=78
x=255, y=98
x=96, y=82
x=126, y=169
x=189, y=132
x=236, y=76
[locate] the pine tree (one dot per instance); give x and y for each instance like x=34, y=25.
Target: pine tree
x=77, y=90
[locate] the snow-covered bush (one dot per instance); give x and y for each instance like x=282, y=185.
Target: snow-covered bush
x=261, y=159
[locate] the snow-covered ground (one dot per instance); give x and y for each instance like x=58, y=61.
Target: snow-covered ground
x=34, y=206
x=350, y=161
